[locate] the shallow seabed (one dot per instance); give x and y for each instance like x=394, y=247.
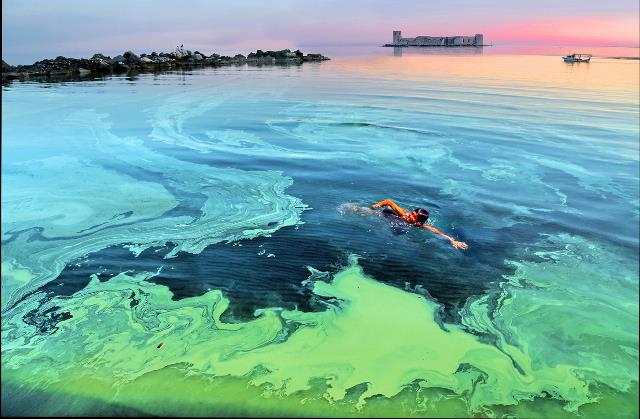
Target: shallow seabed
x=185, y=243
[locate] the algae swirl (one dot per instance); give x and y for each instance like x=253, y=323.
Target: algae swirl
x=370, y=335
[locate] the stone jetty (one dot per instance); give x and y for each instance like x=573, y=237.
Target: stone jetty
x=99, y=64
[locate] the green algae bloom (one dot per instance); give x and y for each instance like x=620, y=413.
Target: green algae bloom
x=372, y=341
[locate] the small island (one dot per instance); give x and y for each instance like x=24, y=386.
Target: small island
x=100, y=64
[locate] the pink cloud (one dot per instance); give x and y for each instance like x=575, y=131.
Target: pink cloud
x=585, y=30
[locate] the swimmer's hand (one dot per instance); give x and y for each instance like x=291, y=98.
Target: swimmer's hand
x=459, y=245
x=374, y=206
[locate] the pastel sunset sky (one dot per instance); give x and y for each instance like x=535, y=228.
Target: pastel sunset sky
x=36, y=29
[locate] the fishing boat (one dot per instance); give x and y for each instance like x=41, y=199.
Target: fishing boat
x=577, y=58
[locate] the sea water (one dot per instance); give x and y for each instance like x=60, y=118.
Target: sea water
x=199, y=242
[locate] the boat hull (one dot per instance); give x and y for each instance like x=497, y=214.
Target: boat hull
x=576, y=60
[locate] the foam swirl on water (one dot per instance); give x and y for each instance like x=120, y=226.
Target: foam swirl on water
x=127, y=194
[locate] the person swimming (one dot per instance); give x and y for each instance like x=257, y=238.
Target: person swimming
x=417, y=218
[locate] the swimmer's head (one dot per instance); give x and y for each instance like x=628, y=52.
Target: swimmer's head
x=417, y=216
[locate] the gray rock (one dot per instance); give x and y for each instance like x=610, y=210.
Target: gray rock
x=131, y=58
x=180, y=54
x=315, y=57
x=120, y=67
x=101, y=64
x=118, y=59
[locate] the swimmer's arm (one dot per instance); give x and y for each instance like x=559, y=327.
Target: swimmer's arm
x=390, y=203
x=454, y=243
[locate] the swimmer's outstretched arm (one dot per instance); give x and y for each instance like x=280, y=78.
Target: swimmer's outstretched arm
x=389, y=203
x=454, y=243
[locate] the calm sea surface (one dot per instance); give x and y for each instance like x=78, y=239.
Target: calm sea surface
x=198, y=242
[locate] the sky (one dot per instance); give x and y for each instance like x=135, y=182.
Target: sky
x=38, y=29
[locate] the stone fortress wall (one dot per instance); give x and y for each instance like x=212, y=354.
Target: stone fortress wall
x=436, y=41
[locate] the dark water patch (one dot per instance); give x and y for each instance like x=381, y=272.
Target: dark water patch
x=46, y=320
x=244, y=271
x=356, y=124
x=29, y=402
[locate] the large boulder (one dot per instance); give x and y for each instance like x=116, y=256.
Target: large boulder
x=131, y=58
x=118, y=59
x=179, y=54
x=197, y=57
x=100, y=57
x=120, y=67
x=283, y=53
x=100, y=64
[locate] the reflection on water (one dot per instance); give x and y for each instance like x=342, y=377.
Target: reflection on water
x=517, y=71
x=398, y=51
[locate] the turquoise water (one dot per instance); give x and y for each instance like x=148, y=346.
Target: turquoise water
x=178, y=244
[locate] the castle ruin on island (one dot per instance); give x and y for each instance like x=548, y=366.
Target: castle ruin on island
x=436, y=41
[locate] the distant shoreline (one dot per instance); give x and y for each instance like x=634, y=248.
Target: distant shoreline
x=99, y=64
x=624, y=58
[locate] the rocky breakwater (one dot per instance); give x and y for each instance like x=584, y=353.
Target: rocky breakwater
x=100, y=64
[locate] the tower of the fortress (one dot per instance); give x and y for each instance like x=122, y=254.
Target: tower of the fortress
x=397, y=36
x=479, y=39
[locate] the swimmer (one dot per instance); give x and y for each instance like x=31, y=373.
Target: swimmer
x=417, y=218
